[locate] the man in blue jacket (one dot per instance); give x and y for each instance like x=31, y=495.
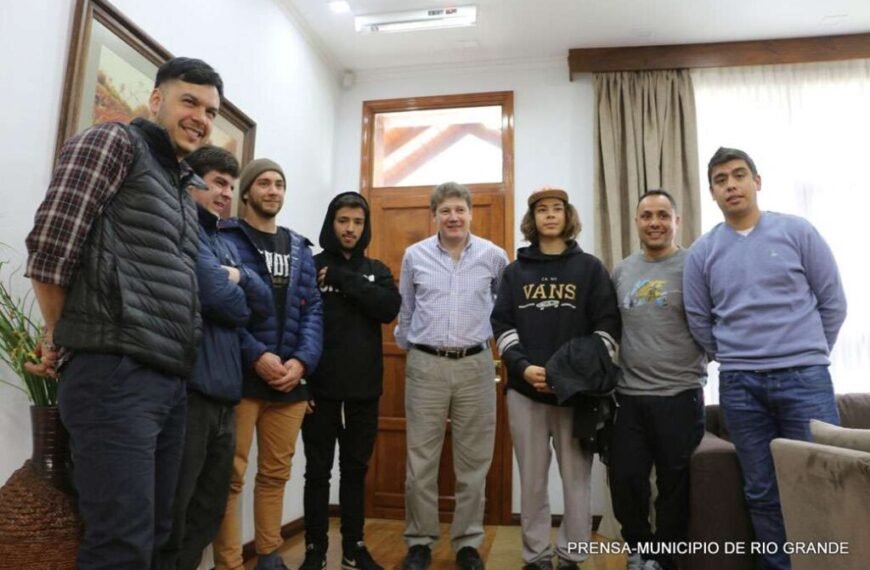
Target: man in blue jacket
x=277, y=353
x=230, y=294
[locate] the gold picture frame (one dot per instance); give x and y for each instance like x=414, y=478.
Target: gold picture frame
x=110, y=74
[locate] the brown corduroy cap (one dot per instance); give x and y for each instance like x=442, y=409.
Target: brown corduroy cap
x=547, y=192
x=256, y=168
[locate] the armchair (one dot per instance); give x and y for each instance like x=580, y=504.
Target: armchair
x=824, y=487
x=717, y=508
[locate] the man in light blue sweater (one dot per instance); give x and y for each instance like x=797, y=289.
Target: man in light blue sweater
x=763, y=296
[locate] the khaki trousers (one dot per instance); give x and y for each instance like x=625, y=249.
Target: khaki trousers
x=277, y=425
x=437, y=388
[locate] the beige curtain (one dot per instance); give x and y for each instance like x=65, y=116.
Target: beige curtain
x=645, y=138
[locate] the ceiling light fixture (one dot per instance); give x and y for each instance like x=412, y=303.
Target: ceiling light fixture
x=432, y=19
x=339, y=6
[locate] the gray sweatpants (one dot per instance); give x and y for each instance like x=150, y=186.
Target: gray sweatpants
x=533, y=426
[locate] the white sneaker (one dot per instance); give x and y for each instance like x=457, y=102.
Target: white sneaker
x=634, y=562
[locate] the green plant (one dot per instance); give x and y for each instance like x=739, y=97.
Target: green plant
x=19, y=335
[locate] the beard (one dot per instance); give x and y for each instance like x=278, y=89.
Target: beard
x=260, y=210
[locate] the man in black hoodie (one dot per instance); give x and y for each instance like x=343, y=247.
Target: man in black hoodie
x=359, y=294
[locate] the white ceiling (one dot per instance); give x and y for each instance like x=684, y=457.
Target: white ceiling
x=513, y=30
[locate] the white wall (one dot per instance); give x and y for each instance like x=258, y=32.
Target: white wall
x=303, y=121
x=33, y=41
x=270, y=71
x=553, y=145
x=552, y=123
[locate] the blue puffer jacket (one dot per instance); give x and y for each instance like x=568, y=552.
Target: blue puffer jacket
x=226, y=309
x=303, y=316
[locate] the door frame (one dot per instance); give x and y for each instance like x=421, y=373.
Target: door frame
x=505, y=99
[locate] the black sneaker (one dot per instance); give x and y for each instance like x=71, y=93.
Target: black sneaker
x=358, y=558
x=315, y=559
x=419, y=558
x=468, y=559
x=544, y=564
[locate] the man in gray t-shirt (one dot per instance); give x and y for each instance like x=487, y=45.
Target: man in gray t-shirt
x=660, y=419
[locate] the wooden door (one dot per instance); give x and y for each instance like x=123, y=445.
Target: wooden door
x=398, y=220
x=401, y=217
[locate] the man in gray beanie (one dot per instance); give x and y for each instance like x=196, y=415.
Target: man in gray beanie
x=252, y=172
x=276, y=353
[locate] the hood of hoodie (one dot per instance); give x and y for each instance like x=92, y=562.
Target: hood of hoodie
x=328, y=240
x=533, y=253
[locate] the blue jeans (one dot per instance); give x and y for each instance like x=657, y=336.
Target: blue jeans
x=126, y=426
x=759, y=406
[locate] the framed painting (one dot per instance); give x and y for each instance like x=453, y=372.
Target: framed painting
x=110, y=74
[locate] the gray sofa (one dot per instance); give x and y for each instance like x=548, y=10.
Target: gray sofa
x=717, y=509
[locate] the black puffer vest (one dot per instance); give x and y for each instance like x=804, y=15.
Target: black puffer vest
x=135, y=292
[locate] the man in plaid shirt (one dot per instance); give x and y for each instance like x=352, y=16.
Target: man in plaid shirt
x=111, y=258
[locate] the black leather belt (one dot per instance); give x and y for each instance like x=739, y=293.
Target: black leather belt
x=453, y=353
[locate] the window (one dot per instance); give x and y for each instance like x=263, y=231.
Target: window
x=805, y=126
x=420, y=148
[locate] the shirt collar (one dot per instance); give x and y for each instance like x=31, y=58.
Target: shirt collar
x=437, y=239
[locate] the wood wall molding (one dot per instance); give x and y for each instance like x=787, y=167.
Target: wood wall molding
x=288, y=531
x=721, y=54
